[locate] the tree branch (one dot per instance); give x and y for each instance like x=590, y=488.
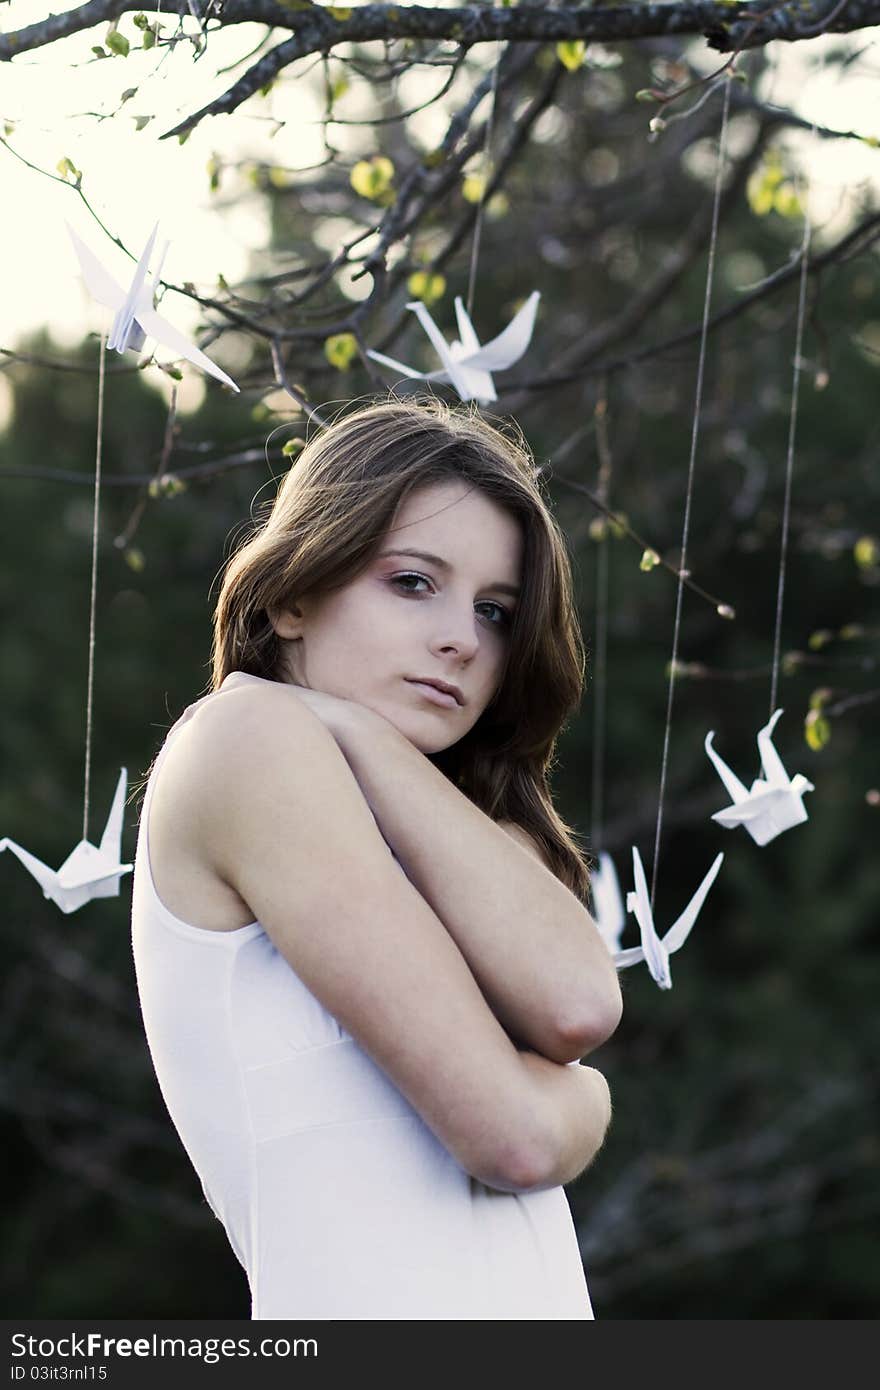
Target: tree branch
x=315, y=29
x=855, y=241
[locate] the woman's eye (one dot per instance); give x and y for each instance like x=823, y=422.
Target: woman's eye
x=401, y=578
x=503, y=620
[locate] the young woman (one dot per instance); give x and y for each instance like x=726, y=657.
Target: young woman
x=365, y=968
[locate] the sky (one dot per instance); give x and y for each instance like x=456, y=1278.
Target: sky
x=57, y=101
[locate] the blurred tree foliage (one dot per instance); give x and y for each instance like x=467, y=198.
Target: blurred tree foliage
x=739, y=1178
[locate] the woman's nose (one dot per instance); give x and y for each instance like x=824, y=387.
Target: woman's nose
x=460, y=633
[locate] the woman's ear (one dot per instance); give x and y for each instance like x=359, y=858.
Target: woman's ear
x=287, y=622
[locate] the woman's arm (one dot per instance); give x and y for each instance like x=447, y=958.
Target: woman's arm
x=533, y=948
x=298, y=844
x=577, y=1102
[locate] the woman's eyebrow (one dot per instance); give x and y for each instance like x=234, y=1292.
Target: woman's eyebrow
x=445, y=565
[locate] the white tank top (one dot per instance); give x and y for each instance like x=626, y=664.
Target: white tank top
x=337, y=1198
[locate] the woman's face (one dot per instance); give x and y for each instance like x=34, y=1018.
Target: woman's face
x=406, y=617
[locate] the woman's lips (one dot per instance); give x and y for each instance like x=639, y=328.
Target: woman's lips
x=437, y=697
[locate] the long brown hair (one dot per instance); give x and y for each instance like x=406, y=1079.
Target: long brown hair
x=328, y=519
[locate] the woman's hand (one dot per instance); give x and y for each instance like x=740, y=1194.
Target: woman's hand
x=338, y=714
x=350, y=723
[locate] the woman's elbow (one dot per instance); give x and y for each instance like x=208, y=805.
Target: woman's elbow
x=588, y=1023
x=516, y=1160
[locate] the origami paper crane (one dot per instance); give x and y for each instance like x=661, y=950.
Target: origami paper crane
x=467, y=365
x=135, y=319
x=654, y=950
x=89, y=871
x=774, y=803
x=609, y=912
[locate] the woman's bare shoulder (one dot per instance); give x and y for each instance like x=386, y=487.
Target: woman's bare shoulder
x=235, y=742
x=243, y=705
x=207, y=765
x=224, y=747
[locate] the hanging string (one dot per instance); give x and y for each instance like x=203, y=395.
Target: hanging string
x=94, y=591
x=698, y=402
x=600, y=659
x=792, y=431
x=487, y=150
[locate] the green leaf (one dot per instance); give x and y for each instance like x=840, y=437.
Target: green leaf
x=570, y=53
x=473, y=186
x=293, y=446
x=786, y=201
x=141, y=121
x=128, y=94
x=100, y=52
x=819, y=639
x=371, y=178
x=67, y=169
x=150, y=38
x=817, y=731
x=773, y=170
x=426, y=286
x=134, y=558
x=866, y=552
x=650, y=559
x=768, y=190
x=760, y=198
x=117, y=43
x=340, y=350
x=140, y=21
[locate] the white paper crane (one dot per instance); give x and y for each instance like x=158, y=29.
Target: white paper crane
x=467, y=365
x=135, y=318
x=775, y=801
x=609, y=912
x=654, y=950
x=89, y=871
